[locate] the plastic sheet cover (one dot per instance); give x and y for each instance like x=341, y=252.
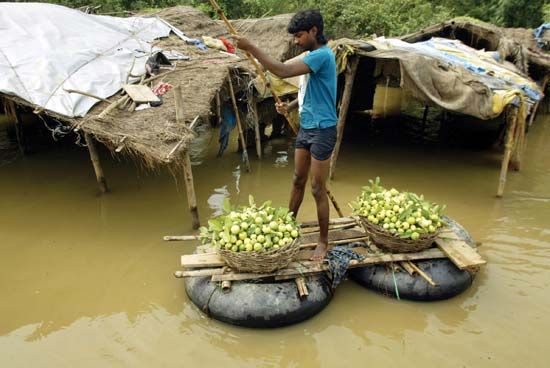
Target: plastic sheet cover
x=46, y=49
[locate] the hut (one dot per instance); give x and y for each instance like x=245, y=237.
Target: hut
x=438, y=73
x=201, y=78
x=523, y=47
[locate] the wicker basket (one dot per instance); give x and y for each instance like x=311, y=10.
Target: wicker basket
x=261, y=262
x=393, y=243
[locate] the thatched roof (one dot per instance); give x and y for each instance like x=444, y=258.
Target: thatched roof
x=151, y=135
x=514, y=44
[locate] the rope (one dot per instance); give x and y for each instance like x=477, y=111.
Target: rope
x=395, y=283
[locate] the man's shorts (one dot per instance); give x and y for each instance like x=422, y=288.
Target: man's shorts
x=319, y=142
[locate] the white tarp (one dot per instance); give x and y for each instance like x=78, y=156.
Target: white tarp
x=46, y=49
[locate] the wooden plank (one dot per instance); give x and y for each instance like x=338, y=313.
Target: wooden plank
x=316, y=229
x=336, y=221
x=181, y=238
x=460, y=253
x=140, y=93
x=309, y=267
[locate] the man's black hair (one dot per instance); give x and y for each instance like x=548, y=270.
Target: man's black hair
x=305, y=20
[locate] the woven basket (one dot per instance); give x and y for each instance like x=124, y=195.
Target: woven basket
x=393, y=243
x=261, y=262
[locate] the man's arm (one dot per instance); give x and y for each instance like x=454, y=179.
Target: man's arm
x=281, y=70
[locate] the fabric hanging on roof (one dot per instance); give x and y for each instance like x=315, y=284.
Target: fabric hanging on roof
x=539, y=33
x=455, y=77
x=46, y=49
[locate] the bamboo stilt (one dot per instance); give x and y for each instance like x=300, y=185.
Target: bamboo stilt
x=512, y=122
x=187, y=169
x=346, y=98
x=190, y=189
x=219, y=108
x=11, y=111
x=96, y=163
x=519, y=141
x=239, y=125
x=254, y=107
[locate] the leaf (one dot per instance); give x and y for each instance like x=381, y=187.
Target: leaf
x=251, y=201
x=226, y=205
x=215, y=225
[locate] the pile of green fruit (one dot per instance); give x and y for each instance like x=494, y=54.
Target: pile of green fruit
x=251, y=228
x=402, y=214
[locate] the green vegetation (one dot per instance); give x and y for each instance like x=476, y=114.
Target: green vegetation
x=358, y=18
x=251, y=228
x=402, y=214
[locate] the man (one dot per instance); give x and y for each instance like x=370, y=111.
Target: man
x=317, y=105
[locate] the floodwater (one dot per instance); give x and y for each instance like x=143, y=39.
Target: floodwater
x=86, y=280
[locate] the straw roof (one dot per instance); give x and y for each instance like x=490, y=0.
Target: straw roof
x=515, y=44
x=151, y=135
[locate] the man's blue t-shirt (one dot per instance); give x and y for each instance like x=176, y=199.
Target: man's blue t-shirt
x=318, y=90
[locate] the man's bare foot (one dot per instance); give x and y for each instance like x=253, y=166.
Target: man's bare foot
x=320, y=252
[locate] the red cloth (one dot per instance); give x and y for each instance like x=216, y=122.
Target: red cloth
x=228, y=45
x=162, y=88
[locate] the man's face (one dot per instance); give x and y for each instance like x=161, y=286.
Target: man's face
x=306, y=39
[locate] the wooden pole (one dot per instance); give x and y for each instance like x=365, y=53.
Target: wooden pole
x=190, y=188
x=254, y=111
x=512, y=122
x=536, y=107
x=346, y=98
x=519, y=141
x=258, y=67
x=187, y=169
x=11, y=111
x=239, y=126
x=97, y=164
x=219, y=108
x=334, y=203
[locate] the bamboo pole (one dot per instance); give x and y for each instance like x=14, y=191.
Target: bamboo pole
x=346, y=98
x=219, y=108
x=519, y=141
x=258, y=67
x=96, y=163
x=239, y=125
x=536, y=107
x=11, y=111
x=334, y=203
x=512, y=122
x=187, y=169
x=254, y=111
x=190, y=188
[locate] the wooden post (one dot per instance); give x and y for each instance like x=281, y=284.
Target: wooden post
x=512, y=122
x=11, y=111
x=187, y=170
x=97, y=164
x=239, y=126
x=536, y=107
x=219, y=108
x=519, y=141
x=346, y=98
x=190, y=188
x=254, y=111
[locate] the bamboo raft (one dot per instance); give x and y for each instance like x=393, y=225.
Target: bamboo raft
x=343, y=230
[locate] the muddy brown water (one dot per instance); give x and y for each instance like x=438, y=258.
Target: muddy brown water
x=86, y=281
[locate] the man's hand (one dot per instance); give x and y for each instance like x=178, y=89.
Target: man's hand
x=282, y=107
x=242, y=42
